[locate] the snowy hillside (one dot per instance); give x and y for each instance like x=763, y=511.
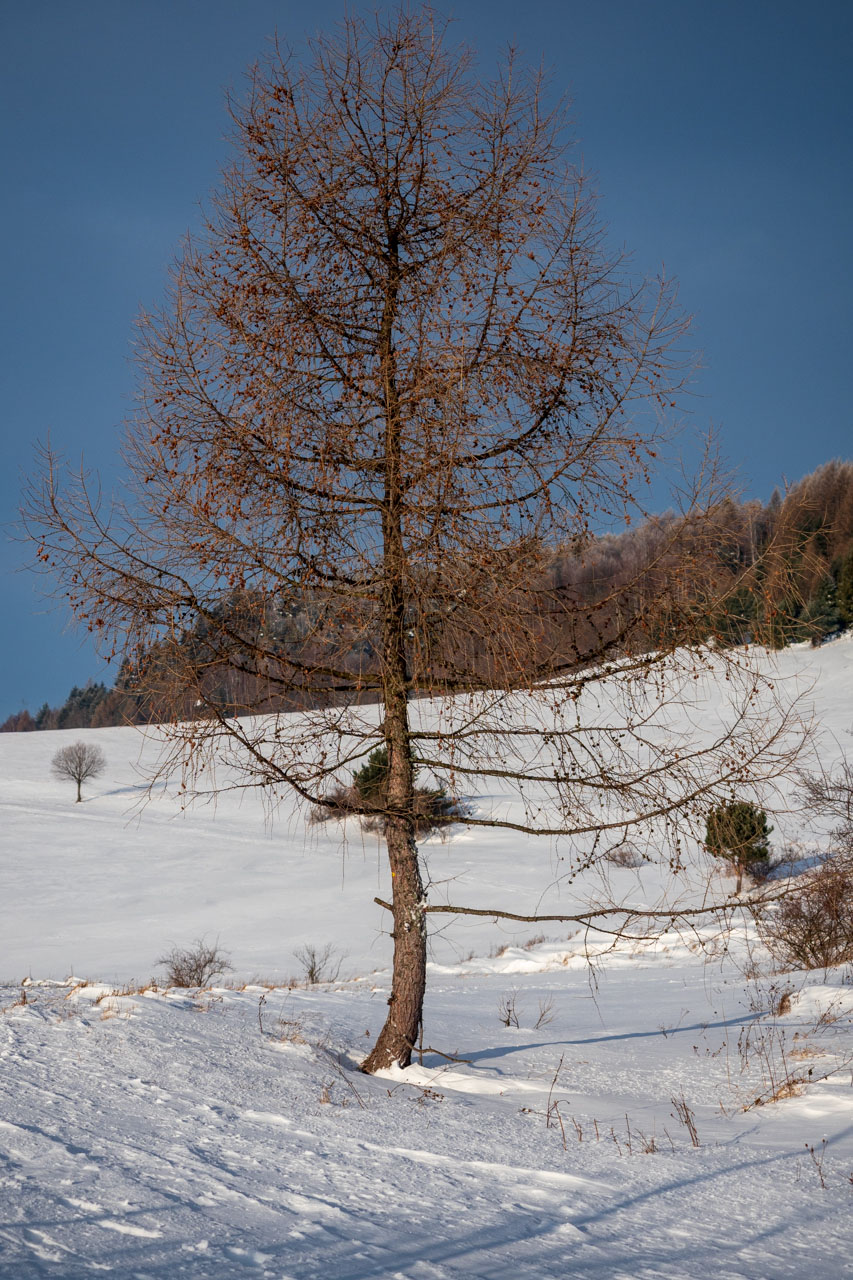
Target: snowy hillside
x=610, y=1130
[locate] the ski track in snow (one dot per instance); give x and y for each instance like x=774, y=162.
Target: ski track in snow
x=151, y=1135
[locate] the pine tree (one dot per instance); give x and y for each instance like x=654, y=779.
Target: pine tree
x=822, y=616
x=738, y=832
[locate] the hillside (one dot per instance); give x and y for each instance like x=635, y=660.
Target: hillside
x=773, y=573
x=612, y=1132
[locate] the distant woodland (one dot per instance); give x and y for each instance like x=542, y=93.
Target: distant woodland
x=771, y=574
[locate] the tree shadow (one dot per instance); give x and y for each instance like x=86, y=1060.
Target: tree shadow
x=503, y=1051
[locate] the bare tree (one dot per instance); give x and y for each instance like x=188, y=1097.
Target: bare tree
x=397, y=373
x=79, y=762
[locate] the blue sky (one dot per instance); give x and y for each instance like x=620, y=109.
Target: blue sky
x=720, y=134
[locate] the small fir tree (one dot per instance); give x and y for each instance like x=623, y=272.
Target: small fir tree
x=431, y=806
x=738, y=832
x=370, y=781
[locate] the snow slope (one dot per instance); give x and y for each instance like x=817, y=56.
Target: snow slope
x=153, y=1133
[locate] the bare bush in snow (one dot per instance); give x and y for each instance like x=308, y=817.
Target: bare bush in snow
x=319, y=964
x=812, y=927
x=194, y=966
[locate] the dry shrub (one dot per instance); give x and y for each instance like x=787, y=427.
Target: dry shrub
x=320, y=964
x=546, y=1013
x=340, y=802
x=194, y=966
x=625, y=855
x=507, y=1012
x=535, y=941
x=290, y=1031
x=687, y=1117
x=812, y=928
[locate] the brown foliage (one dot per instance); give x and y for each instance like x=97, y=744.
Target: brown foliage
x=18, y=722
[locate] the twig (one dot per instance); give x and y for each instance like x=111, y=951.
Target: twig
x=343, y=1075
x=553, y=1108
x=817, y=1161
x=448, y=1056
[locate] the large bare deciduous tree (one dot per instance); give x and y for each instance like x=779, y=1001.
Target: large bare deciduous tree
x=398, y=371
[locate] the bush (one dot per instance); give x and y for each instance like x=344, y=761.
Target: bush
x=624, y=855
x=432, y=807
x=194, y=966
x=320, y=964
x=812, y=928
x=738, y=832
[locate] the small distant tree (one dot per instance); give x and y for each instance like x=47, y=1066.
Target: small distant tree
x=738, y=832
x=79, y=762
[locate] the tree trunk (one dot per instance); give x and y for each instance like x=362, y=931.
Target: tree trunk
x=79, y=796
x=405, y=1004
x=408, y=982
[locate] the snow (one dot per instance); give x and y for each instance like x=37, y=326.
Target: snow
x=152, y=1133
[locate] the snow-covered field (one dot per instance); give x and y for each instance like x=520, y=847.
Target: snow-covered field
x=161, y=1133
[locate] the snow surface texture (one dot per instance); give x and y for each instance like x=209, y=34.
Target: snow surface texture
x=159, y=1133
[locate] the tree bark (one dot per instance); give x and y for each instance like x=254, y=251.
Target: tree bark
x=408, y=982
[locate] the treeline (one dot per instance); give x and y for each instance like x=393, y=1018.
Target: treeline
x=792, y=563
x=771, y=574
x=92, y=706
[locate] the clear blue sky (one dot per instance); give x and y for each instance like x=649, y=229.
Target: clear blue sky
x=720, y=134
